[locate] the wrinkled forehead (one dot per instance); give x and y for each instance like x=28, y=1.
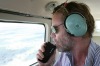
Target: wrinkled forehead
x=57, y=18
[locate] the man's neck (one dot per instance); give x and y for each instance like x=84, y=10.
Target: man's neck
x=80, y=51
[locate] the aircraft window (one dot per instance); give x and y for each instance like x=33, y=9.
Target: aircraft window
x=97, y=26
x=19, y=43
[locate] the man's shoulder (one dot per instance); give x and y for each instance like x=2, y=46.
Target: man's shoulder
x=96, y=53
x=95, y=48
x=94, y=45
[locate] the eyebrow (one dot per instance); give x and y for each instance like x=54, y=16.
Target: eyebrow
x=58, y=25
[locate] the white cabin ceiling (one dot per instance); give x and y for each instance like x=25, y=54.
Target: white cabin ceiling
x=37, y=7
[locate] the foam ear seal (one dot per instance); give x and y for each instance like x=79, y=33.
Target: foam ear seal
x=75, y=24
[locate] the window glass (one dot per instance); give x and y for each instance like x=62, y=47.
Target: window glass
x=19, y=43
x=97, y=24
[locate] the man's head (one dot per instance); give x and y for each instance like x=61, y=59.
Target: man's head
x=80, y=9
x=62, y=38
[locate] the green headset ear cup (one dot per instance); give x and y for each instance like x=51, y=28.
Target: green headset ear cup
x=75, y=24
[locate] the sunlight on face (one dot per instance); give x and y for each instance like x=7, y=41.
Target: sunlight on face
x=62, y=39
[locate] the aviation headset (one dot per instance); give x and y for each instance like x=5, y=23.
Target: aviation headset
x=75, y=24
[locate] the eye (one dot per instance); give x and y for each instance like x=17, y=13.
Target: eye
x=54, y=29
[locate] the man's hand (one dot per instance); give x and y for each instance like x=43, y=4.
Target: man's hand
x=41, y=56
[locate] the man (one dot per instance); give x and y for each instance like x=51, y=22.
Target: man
x=73, y=26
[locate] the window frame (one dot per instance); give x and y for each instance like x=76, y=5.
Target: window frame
x=15, y=18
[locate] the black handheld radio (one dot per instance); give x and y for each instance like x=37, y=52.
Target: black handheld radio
x=49, y=49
